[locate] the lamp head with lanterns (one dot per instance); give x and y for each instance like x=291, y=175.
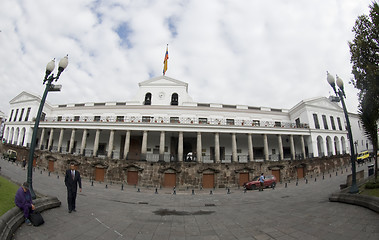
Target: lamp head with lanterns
x=50, y=68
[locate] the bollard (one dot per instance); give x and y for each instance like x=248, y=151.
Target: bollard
x=122, y=187
x=92, y=183
x=193, y=192
x=211, y=192
x=306, y=181
x=315, y=179
x=228, y=190
x=106, y=185
x=244, y=190
x=135, y=185
x=57, y=176
x=289, y=181
x=285, y=185
x=330, y=175
x=201, y=188
x=323, y=177
x=336, y=173
x=49, y=174
x=311, y=175
x=138, y=190
x=174, y=192
x=41, y=171
x=160, y=187
x=297, y=183
x=156, y=190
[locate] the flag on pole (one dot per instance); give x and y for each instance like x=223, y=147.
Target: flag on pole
x=165, y=61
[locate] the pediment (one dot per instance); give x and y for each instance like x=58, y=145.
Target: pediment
x=24, y=97
x=320, y=102
x=163, y=81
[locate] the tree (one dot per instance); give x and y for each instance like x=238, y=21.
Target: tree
x=364, y=51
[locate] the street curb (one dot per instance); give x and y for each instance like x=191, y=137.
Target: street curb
x=369, y=202
x=12, y=219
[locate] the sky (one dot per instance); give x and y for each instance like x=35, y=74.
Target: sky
x=239, y=52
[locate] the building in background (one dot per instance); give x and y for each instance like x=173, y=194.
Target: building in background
x=163, y=123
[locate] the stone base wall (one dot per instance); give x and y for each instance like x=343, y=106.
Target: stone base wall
x=186, y=174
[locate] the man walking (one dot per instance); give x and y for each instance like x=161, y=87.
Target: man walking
x=261, y=182
x=71, y=180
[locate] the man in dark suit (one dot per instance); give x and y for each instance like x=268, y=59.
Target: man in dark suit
x=71, y=180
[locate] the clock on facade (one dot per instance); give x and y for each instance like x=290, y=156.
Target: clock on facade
x=161, y=95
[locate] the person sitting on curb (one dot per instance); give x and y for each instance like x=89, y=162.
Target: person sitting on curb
x=23, y=200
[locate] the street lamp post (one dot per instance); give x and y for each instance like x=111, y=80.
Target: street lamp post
x=341, y=94
x=49, y=78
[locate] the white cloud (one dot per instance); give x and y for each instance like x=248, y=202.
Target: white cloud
x=258, y=53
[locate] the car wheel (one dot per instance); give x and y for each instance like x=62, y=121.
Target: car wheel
x=253, y=187
x=273, y=185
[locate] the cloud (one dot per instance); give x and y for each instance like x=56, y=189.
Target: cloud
x=255, y=53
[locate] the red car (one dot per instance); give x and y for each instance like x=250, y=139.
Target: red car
x=270, y=181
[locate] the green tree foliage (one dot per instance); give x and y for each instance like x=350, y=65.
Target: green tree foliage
x=364, y=51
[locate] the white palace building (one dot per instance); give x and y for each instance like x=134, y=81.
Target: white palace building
x=163, y=123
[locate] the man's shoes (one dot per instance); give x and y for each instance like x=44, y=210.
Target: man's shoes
x=27, y=221
x=73, y=210
x=69, y=211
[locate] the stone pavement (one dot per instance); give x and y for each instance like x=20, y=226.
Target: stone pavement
x=292, y=212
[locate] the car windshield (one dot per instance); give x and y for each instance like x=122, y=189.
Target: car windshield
x=255, y=178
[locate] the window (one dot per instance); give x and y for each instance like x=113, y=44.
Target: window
x=325, y=122
x=229, y=121
x=146, y=119
x=27, y=114
x=315, y=118
x=59, y=119
x=203, y=120
x=278, y=124
x=339, y=123
x=97, y=119
x=332, y=121
x=174, y=120
x=15, y=116
x=43, y=116
x=10, y=118
x=256, y=123
x=76, y=118
x=147, y=99
x=174, y=99
x=21, y=114
x=120, y=118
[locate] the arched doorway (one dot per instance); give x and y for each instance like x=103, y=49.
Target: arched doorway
x=329, y=146
x=337, y=145
x=320, y=146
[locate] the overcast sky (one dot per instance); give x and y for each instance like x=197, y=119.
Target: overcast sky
x=256, y=53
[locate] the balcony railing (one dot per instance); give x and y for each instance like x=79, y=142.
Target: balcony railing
x=180, y=120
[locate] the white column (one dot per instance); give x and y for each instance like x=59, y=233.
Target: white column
x=280, y=143
x=110, y=144
x=199, y=148
x=234, y=148
x=72, y=140
x=84, y=141
x=96, y=143
x=180, y=147
x=144, y=146
x=217, y=148
x=161, y=146
x=250, y=146
x=60, y=140
x=302, y=146
x=50, y=139
x=292, y=146
x=127, y=144
x=265, y=146
x=42, y=138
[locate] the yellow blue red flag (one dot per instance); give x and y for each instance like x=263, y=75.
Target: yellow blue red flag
x=165, y=61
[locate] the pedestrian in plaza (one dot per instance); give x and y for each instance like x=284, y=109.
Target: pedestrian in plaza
x=261, y=182
x=23, y=163
x=23, y=200
x=72, y=180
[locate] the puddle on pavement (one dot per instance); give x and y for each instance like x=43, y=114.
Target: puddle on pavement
x=167, y=212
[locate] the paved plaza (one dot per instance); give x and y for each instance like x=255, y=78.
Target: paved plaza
x=294, y=212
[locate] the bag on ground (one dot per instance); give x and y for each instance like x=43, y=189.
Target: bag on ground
x=36, y=218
